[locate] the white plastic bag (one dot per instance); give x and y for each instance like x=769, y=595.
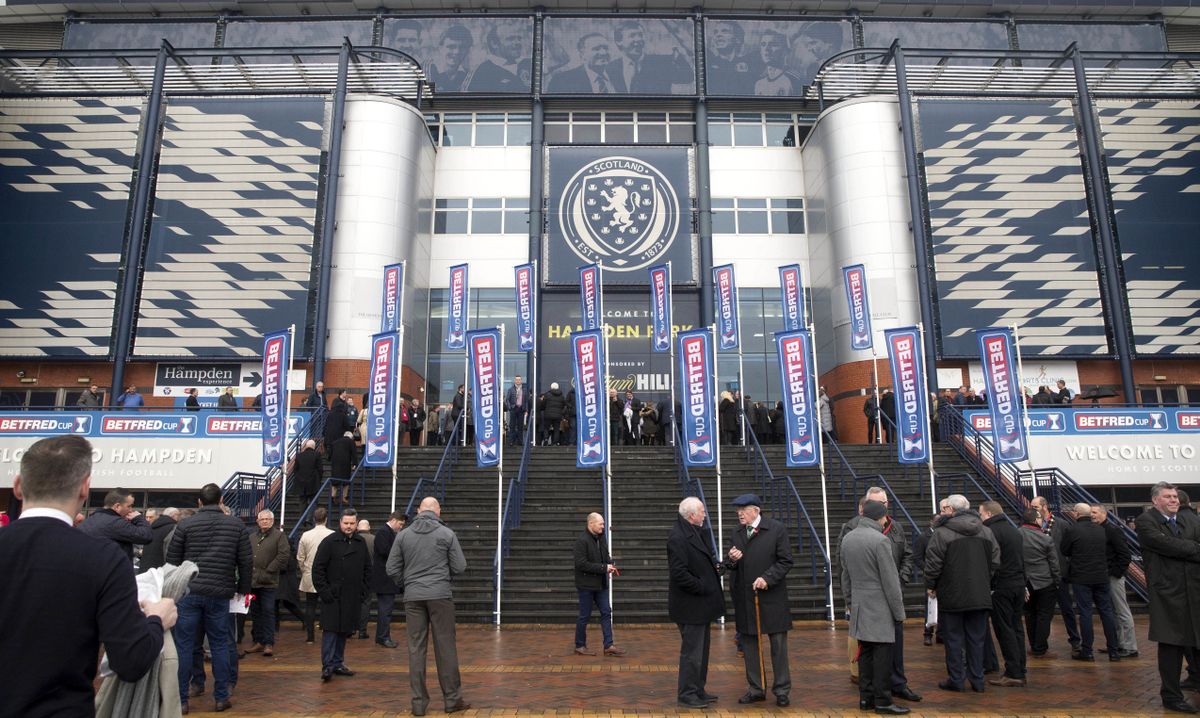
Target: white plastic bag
x=149, y=588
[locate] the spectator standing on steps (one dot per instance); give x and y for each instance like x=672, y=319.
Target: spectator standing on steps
x=593, y=566
x=364, y=530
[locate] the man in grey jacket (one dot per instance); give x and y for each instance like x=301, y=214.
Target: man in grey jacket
x=424, y=558
x=1041, y=578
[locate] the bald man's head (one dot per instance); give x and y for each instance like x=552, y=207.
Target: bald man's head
x=431, y=504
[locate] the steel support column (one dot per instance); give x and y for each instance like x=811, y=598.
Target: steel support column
x=704, y=206
x=328, y=213
x=537, y=154
x=1114, y=298
x=139, y=223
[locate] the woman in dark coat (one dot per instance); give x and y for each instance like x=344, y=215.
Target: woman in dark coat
x=727, y=415
x=342, y=576
x=337, y=422
x=778, y=428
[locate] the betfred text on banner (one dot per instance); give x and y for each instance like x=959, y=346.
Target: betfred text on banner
x=1003, y=387
x=523, y=281
x=393, y=285
x=591, y=399
x=456, y=318
x=589, y=296
x=698, y=399
x=795, y=366
x=483, y=345
x=912, y=399
x=725, y=289
x=660, y=308
x=860, y=307
x=276, y=348
x=791, y=294
x=379, y=441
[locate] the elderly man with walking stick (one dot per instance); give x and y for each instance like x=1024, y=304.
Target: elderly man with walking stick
x=758, y=563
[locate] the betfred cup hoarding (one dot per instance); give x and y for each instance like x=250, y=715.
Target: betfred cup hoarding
x=486, y=360
x=591, y=399
x=379, y=441
x=698, y=398
x=725, y=291
x=660, y=308
x=276, y=350
x=912, y=399
x=456, y=318
x=799, y=406
x=523, y=283
x=589, y=296
x=791, y=294
x=860, y=307
x=1003, y=388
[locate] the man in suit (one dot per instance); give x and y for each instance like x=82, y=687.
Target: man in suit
x=1170, y=541
x=593, y=566
x=342, y=576
x=759, y=560
x=871, y=586
x=504, y=70
x=591, y=76
x=306, y=472
x=647, y=74
x=516, y=401
x=385, y=588
x=119, y=522
x=66, y=593
x=694, y=600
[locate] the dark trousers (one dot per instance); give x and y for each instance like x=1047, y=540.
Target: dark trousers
x=1087, y=594
x=1007, y=606
x=213, y=614
x=198, y=676
x=1066, y=606
x=874, y=672
x=1039, y=612
x=872, y=429
x=333, y=649
x=383, y=623
x=599, y=599
x=516, y=426
x=310, y=614
x=414, y=437
x=899, y=680
x=423, y=617
x=364, y=614
x=963, y=631
x=1170, y=663
x=782, y=682
x=554, y=431
x=262, y=613
x=693, y=660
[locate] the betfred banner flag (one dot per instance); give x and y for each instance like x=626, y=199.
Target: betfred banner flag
x=590, y=308
x=725, y=293
x=660, y=308
x=456, y=318
x=698, y=400
x=912, y=399
x=591, y=398
x=393, y=286
x=486, y=357
x=860, y=308
x=799, y=397
x=791, y=293
x=523, y=281
x=1003, y=388
x=276, y=351
x=380, y=434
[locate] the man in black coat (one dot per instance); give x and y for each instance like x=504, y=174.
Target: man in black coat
x=1086, y=547
x=1008, y=594
x=65, y=593
x=1056, y=527
x=341, y=464
x=154, y=555
x=759, y=561
x=694, y=600
x=385, y=588
x=317, y=400
x=593, y=566
x=553, y=405
x=1119, y=558
x=118, y=522
x=342, y=576
x=887, y=407
x=306, y=473
x=1170, y=541
x=220, y=546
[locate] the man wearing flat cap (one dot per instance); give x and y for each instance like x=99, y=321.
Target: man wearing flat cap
x=758, y=563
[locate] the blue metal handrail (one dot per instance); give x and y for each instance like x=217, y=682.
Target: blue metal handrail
x=511, y=519
x=691, y=486
x=359, y=476
x=239, y=492
x=445, y=469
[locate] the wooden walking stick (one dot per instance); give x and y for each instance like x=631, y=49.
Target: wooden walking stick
x=762, y=671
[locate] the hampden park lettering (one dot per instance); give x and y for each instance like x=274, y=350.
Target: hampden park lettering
x=612, y=331
x=129, y=456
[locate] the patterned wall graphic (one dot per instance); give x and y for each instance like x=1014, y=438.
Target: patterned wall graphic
x=1153, y=154
x=65, y=169
x=83, y=35
x=230, y=251
x=1012, y=242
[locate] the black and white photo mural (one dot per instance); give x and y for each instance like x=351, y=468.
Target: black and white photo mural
x=769, y=58
x=621, y=56
x=492, y=55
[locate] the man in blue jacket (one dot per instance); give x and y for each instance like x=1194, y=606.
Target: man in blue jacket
x=119, y=522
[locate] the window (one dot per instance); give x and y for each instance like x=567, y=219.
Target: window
x=747, y=215
x=619, y=128
x=753, y=129
x=467, y=129
x=481, y=215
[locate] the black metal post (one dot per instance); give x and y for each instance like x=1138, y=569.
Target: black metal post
x=1114, y=298
x=139, y=223
x=917, y=222
x=329, y=211
x=537, y=153
x=704, y=206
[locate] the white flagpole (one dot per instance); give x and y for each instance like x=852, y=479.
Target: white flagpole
x=399, y=364
x=607, y=444
x=531, y=424
x=499, y=383
x=874, y=389
x=820, y=435
x=1024, y=409
x=287, y=421
x=671, y=346
x=930, y=406
x=717, y=449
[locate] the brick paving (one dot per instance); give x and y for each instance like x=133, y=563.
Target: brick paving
x=531, y=671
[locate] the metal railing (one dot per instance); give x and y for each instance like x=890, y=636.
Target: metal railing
x=691, y=486
x=436, y=486
x=326, y=493
x=514, y=500
x=246, y=493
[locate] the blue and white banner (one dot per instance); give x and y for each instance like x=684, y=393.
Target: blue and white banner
x=799, y=397
x=393, y=288
x=591, y=309
x=591, y=398
x=524, y=281
x=725, y=296
x=698, y=401
x=660, y=308
x=276, y=351
x=381, y=401
x=912, y=399
x=791, y=294
x=460, y=300
x=487, y=361
x=860, y=307
x=204, y=424
x=1003, y=388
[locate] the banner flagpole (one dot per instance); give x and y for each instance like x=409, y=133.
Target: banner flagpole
x=607, y=444
x=717, y=451
x=500, y=484
x=875, y=392
x=933, y=499
x=1021, y=383
x=396, y=387
x=671, y=362
x=531, y=423
x=287, y=420
x=816, y=372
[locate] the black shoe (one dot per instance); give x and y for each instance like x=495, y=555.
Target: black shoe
x=342, y=671
x=362, y=634
x=183, y=709
x=222, y=706
x=195, y=690
x=326, y=674
x=1083, y=657
x=1190, y=685
x=752, y=697
x=709, y=697
x=979, y=688
x=891, y=709
x=388, y=643
x=458, y=707
x=1180, y=707
x=907, y=694
x=948, y=685
x=1114, y=657
x=866, y=705
x=1127, y=654
x=928, y=640
x=782, y=701
x=691, y=703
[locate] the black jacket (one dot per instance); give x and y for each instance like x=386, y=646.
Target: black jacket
x=342, y=576
x=1172, y=561
x=768, y=555
x=380, y=581
x=316, y=400
x=153, y=555
x=694, y=590
x=1011, y=574
x=341, y=458
x=337, y=423
x=1086, y=545
x=553, y=405
x=306, y=472
x=591, y=562
x=960, y=559
x=220, y=546
x=1118, y=554
x=106, y=524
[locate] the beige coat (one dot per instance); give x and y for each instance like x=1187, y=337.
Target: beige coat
x=307, y=552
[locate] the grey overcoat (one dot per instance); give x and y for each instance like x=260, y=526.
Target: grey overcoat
x=871, y=584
